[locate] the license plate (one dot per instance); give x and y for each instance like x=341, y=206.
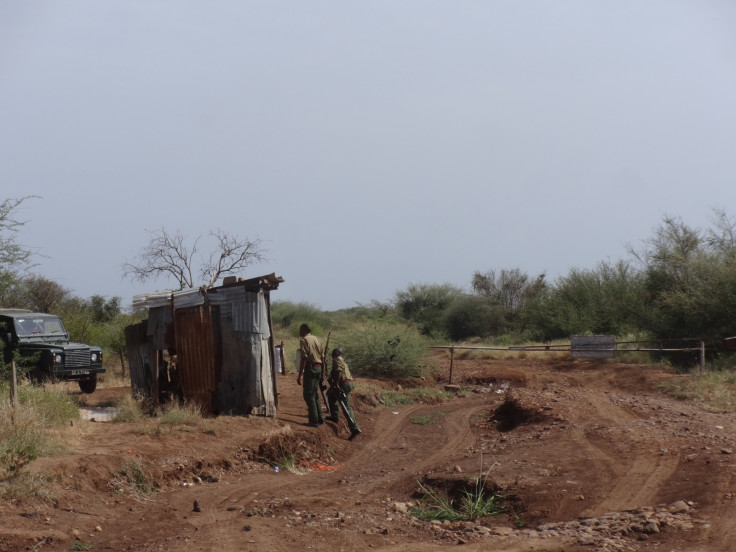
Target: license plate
x=80, y=372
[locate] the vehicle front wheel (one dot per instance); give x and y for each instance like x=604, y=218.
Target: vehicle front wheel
x=88, y=385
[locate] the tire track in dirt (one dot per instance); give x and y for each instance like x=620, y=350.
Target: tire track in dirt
x=394, y=442
x=368, y=473
x=636, y=476
x=373, y=468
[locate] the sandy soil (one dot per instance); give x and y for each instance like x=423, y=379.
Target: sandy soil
x=585, y=457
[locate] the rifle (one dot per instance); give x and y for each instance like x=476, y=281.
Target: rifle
x=339, y=394
x=322, y=384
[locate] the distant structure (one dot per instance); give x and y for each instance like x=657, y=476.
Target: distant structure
x=213, y=347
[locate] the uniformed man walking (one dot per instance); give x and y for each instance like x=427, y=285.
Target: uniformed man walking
x=311, y=367
x=341, y=379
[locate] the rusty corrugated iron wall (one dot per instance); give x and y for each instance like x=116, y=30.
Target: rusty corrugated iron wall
x=196, y=355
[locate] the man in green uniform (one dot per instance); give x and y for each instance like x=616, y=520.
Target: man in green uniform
x=340, y=379
x=311, y=367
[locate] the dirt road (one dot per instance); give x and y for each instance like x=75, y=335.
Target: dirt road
x=586, y=457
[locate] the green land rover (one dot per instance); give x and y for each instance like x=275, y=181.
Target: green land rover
x=45, y=350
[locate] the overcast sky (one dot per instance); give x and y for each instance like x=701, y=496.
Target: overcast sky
x=369, y=145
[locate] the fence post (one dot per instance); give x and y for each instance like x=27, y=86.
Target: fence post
x=452, y=358
x=702, y=356
x=283, y=359
x=14, y=386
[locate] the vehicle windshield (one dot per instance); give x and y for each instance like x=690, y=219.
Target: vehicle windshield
x=39, y=326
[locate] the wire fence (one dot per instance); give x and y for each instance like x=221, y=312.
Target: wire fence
x=598, y=347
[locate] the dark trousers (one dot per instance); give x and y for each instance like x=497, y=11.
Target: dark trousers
x=332, y=397
x=312, y=376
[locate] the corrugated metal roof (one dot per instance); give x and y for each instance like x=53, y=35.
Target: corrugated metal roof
x=192, y=297
x=152, y=300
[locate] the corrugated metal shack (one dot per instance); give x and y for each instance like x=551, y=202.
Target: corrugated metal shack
x=213, y=347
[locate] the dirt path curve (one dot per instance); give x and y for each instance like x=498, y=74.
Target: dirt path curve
x=391, y=456
x=631, y=480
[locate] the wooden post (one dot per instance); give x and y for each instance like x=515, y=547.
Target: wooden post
x=452, y=359
x=283, y=359
x=14, y=386
x=702, y=357
x=156, y=368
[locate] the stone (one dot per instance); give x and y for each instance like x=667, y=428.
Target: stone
x=402, y=507
x=651, y=527
x=678, y=507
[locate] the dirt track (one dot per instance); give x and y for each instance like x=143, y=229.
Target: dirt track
x=593, y=457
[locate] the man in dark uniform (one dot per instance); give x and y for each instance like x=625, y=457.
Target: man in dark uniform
x=311, y=367
x=341, y=379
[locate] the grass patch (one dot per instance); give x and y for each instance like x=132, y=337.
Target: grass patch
x=473, y=501
x=391, y=398
x=133, y=410
x=55, y=408
x=714, y=390
x=181, y=414
x=374, y=394
x=287, y=462
x=429, y=395
x=132, y=479
x=24, y=486
x=129, y=409
x=29, y=430
x=427, y=419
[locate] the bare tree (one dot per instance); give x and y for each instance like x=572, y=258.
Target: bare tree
x=12, y=255
x=168, y=255
x=722, y=238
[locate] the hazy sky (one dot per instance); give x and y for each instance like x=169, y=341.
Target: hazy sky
x=369, y=145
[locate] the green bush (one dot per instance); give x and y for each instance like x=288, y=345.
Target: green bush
x=289, y=316
x=469, y=316
x=384, y=349
x=425, y=306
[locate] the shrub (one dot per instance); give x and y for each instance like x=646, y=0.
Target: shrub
x=425, y=305
x=384, y=349
x=469, y=316
x=290, y=316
